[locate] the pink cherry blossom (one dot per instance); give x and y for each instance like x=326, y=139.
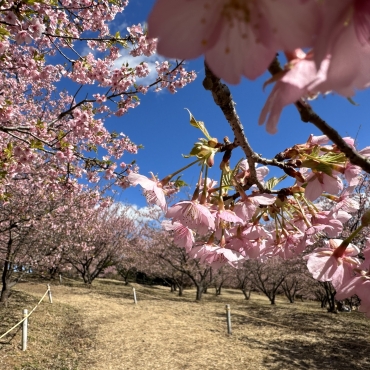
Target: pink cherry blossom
x=182, y=235
x=333, y=262
x=317, y=140
x=254, y=231
x=318, y=182
x=324, y=221
x=365, y=265
x=244, y=172
x=193, y=215
x=36, y=28
x=345, y=203
x=153, y=190
x=288, y=246
x=300, y=80
x=23, y=37
x=344, y=37
x=365, y=151
x=237, y=37
x=216, y=256
x=357, y=285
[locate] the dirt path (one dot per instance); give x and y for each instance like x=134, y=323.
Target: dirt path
x=157, y=335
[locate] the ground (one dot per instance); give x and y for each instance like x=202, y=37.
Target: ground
x=101, y=328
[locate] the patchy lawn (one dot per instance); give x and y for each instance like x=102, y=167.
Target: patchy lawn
x=101, y=328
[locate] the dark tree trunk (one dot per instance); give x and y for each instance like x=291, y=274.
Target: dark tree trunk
x=200, y=291
x=5, y=277
x=218, y=290
x=323, y=302
x=181, y=290
x=247, y=293
x=5, y=293
x=87, y=278
x=53, y=272
x=126, y=277
x=330, y=296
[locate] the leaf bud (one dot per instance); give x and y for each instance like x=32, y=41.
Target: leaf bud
x=213, y=142
x=211, y=159
x=293, y=173
x=265, y=217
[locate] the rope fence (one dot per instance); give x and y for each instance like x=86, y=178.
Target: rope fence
x=228, y=313
x=24, y=320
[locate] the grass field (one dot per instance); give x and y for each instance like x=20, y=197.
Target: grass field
x=101, y=328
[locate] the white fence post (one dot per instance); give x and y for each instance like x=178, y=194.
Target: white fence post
x=24, y=330
x=49, y=293
x=60, y=279
x=228, y=319
x=134, y=291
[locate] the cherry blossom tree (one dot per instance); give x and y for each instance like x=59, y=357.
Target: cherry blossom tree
x=244, y=281
x=180, y=265
x=267, y=276
x=98, y=239
x=25, y=213
x=51, y=56
x=294, y=283
x=222, y=277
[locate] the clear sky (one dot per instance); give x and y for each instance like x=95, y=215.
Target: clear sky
x=161, y=124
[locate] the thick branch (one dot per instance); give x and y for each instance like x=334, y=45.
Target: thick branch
x=222, y=97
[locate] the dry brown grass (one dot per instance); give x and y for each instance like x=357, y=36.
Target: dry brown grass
x=101, y=328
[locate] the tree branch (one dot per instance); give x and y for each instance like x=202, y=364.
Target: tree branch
x=308, y=115
x=222, y=97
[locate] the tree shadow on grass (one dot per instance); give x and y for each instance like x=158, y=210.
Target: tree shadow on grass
x=111, y=282
x=306, y=340
x=330, y=354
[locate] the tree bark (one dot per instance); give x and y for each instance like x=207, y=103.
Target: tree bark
x=181, y=290
x=247, y=293
x=200, y=291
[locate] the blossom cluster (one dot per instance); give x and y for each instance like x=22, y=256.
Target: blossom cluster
x=261, y=224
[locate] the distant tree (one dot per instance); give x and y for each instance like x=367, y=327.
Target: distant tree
x=267, y=276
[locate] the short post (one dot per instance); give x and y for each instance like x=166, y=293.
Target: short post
x=49, y=293
x=134, y=291
x=228, y=319
x=24, y=330
x=60, y=279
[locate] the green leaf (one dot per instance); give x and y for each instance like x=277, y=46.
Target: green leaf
x=36, y=144
x=271, y=183
x=322, y=167
x=180, y=183
x=227, y=183
x=199, y=125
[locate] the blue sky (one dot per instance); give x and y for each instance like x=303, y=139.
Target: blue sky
x=161, y=124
